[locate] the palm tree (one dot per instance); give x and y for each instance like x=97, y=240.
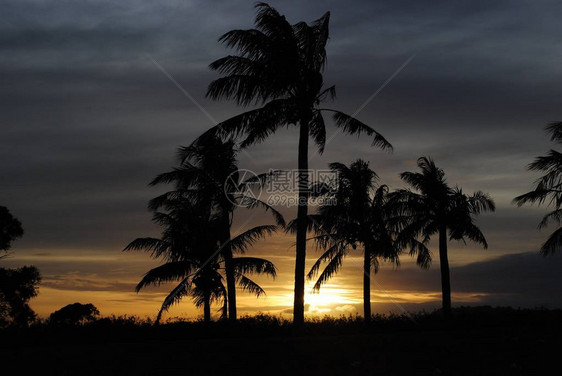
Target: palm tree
x=209, y=171
x=356, y=214
x=439, y=209
x=548, y=186
x=190, y=247
x=280, y=66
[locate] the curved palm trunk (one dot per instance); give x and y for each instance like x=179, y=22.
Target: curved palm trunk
x=300, y=262
x=367, y=285
x=445, y=277
x=229, y=271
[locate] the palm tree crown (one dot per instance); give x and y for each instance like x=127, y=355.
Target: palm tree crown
x=548, y=188
x=356, y=214
x=207, y=186
x=191, y=249
x=436, y=208
x=209, y=172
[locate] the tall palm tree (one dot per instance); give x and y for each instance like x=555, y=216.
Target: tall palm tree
x=280, y=67
x=356, y=214
x=209, y=172
x=190, y=246
x=548, y=187
x=439, y=209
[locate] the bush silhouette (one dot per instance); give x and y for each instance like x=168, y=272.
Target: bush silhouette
x=74, y=314
x=17, y=287
x=10, y=230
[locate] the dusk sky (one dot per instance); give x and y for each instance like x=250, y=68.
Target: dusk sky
x=87, y=119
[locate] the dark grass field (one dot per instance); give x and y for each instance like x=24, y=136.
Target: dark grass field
x=476, y=341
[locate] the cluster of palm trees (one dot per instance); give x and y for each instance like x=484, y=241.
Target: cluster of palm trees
x=384, y=224
x=196, y=243
x=278, y=69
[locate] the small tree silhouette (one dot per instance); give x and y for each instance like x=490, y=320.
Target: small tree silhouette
x=10, y=230
x=74, y=314
x=17, y=287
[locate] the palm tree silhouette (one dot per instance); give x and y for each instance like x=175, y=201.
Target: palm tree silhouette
x=356, y=213
x=280, y=66
x=440, y=209
x=186, y=246
x=191, y=249
x=548, y=186
x=209, y=172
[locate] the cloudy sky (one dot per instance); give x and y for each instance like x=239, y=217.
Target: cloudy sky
x=88, y=118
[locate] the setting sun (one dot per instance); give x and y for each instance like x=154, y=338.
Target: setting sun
x=332, y=298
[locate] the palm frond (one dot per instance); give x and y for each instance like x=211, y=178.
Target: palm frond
x=553, y=244
x=171, y=271
x=337, y=248
x=334, y=265
x=329, y=92
x=171, y=198
x=480, y=202
x=353, y=126
x=156, y=247
x=181, y=290
x=555, y=215
x=248, y=285
x=318, y=131
x=313, y=224
x=256, y=124
x=245, y=265
x=423, y=253
x=555, y=130
x=249, y=237
x=251, y=203
x=244, y=88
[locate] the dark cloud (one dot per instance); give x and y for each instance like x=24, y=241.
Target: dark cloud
x=520, y=280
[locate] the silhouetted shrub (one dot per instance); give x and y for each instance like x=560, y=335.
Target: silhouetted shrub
x=17, y=287
x=10, y=230
x=74, y=314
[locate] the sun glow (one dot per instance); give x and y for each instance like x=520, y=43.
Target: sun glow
x=331, y=299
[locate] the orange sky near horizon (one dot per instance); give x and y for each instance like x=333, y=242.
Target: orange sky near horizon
x=108, y=280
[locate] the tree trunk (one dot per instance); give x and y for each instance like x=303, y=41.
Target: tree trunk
x=302, y=214
x=367, y=285
x=230, y=287
x=224, y=309
x=207, y=310
x=445, y=277
x=229, y=271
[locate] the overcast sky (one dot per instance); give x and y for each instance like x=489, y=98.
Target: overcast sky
x=87, y=120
